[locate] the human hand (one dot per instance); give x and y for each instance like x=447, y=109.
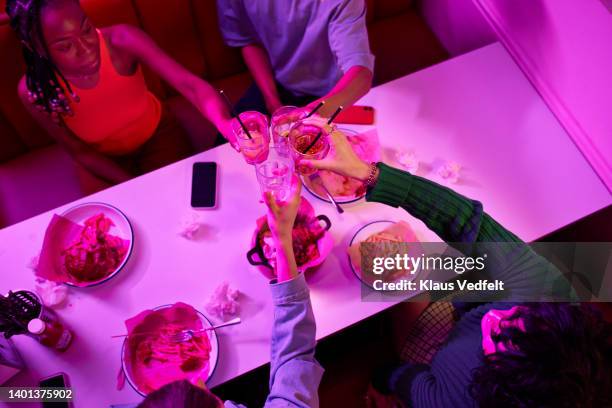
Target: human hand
x=341, y=158
x=226, y=128
x=281, y=214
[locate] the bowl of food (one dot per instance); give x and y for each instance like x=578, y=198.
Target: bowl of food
x=86, y=245
x=151, y=356
x=312, y=242
x=382, y=239
x=342, y=188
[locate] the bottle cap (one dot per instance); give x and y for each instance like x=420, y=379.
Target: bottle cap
x=36, y=326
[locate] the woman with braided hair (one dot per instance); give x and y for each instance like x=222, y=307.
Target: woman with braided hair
x=85, y=87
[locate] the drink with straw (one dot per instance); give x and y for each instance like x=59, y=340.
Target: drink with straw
x=254, y=142
x=308, y=141
x=281, y=122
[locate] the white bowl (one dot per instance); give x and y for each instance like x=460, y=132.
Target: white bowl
x=121, y=228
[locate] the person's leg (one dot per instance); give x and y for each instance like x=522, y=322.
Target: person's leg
x=168, y=144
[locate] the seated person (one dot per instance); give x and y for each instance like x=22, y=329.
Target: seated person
x=300, y=52
x=294, y=373
x=500, y=354
x=85, y=87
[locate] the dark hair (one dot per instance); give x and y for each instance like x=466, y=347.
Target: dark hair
x=180, y=394
x=42, y=76
x=562, y=359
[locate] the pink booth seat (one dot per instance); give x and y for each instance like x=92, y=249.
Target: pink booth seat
x=52, y=179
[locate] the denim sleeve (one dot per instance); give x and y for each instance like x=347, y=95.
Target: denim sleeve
x=294, y=373
x=348, y=36
x=234, y=24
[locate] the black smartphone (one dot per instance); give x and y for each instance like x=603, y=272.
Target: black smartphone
x=204, y=185
x=59, y=380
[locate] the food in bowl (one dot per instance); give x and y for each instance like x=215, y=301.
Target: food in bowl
x=307, y=231
x=389, y=242
x=311, y=242
x=95, y=253
x=153, y=358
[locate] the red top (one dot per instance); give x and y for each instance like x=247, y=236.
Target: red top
x=119, y=114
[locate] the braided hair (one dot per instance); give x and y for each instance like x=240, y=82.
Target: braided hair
x=42, y=76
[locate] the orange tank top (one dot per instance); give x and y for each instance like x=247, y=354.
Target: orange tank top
x=119, y=114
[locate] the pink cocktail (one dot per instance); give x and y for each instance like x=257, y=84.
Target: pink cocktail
x=308, y=142
x=255, y=144
x=282, y=121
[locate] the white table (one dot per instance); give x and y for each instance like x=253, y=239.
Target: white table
x=477, y=110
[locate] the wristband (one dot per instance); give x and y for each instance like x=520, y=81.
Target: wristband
x=373, y=176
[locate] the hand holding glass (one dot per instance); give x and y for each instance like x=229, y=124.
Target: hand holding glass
x=274, y=174
x=308, y=141
x=254, y=145
x=282, y=120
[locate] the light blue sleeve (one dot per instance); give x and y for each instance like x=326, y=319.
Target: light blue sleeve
x=234, y=23
x=295, y=375
x=348, y=36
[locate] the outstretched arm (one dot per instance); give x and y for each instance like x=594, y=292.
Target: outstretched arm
x=355, y=83
x=456, y=219
x=348, y=40
x=199, y=92
x=294, y=373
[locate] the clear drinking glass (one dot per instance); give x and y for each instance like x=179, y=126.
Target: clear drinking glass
x=253, y=148
x=301, y=138
x=281, y=122
x=274, y=174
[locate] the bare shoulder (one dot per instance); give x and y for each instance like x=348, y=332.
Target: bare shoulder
x=123, y=36
x=121, y=48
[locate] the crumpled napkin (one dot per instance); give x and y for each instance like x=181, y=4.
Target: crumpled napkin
x=450, y=172
x=224, y=303
x=52, y=294
x=190, y=226
x=408, y=160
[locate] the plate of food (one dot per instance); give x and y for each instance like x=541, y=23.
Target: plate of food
x=346, y=189
x=86, y=245
x=391, y=238
x=312, y=242
x=151, y=356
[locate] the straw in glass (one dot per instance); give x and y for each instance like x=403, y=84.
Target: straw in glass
x=319, y=106
x=329, y=122
x=234, y=115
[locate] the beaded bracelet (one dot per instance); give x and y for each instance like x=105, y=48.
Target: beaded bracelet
x=372, y=179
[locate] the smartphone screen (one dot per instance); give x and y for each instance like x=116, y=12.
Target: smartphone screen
x=55, y=381
x=204, y=185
